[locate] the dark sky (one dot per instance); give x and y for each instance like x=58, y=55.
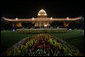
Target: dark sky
x=30, y=8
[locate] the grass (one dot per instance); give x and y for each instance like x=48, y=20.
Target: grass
x=8, y=38
x=75, y=38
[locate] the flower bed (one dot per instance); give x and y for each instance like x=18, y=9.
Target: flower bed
x=41, y=45
x=61, y=30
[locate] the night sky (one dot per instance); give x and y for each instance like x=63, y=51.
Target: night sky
x=54, y=8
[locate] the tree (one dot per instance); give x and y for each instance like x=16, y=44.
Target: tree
x=27, y=24
x=5, y=25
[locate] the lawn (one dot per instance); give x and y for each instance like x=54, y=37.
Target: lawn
x=75, y=38
x=8, y=38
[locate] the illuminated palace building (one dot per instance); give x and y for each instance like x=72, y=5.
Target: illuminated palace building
x=42, y=20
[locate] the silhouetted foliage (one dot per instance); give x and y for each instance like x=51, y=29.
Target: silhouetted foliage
x=5, y=25
x=55, y=24
x=27, y=24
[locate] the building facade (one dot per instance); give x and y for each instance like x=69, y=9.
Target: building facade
x=41, y=21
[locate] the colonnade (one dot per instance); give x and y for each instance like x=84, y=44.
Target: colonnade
x=39, y=24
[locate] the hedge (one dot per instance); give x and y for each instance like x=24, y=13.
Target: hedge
x=60, y=30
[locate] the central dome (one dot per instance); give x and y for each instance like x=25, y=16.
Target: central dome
x=42, y=13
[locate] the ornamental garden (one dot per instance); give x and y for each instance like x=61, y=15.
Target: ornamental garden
x=42, y=37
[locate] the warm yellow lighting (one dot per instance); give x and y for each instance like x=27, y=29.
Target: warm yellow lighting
x=51, y=18
x=67, y=18
x=33, y=18
x=38, y=14
x=42, y=13
x=45, y=25
x=42, y=10
x=45, y=14
x=16, y=18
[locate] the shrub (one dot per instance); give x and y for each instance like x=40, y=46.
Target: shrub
x=60, y=30
x=42, y=45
